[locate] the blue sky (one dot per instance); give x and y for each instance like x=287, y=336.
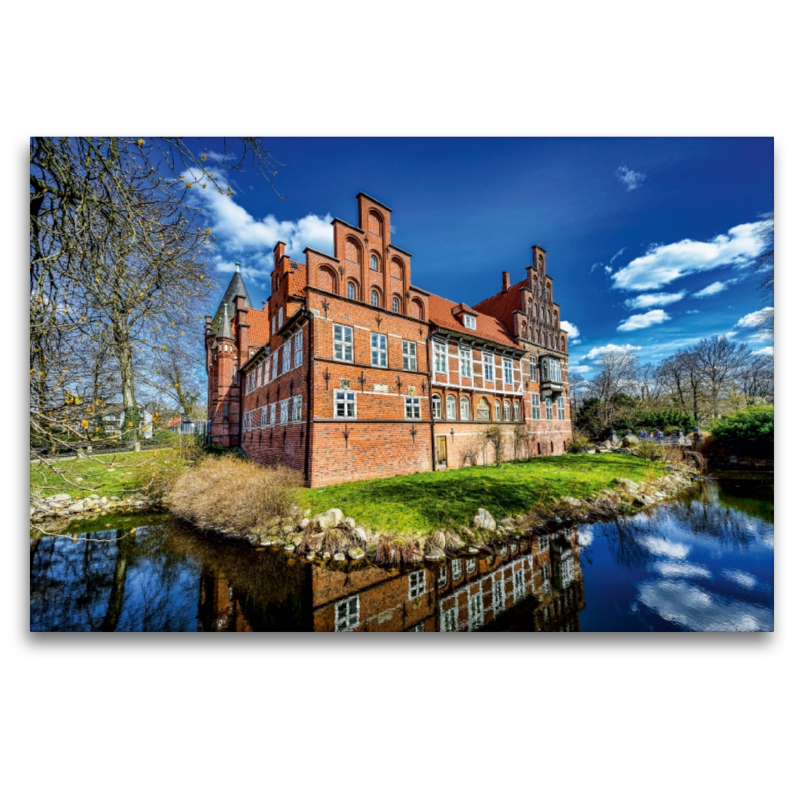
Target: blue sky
x=649, y=240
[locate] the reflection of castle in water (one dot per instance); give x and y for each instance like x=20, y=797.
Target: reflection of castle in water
x=528, y=585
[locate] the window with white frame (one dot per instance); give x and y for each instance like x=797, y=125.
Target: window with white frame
x=469, y=322
x=272, y=413
x=488, y=367
x=442, y=576
x=284, y=411
x=545, y=370
x=567, y=569
x=263, y=423
x=410, y=356
x=351, y=290
x=506, y=411
x=436, y=406
x=378, y=349
x=465, y=359
x=374, y=298
x=508, y=371
x=451, y=407
x=342, y=343
x=344, y=404
x=413, y=408
x=533, y=368
x=280, y=318
x=555, y=370
x=516, y=411
x=497, y=409
x=439, y=357
x=548, y=408
x=498, y=594
x=297, y=409
x=544, y=544
x=455, y=566
x=396, y=305
x=536, y=406
x=347, y=614
x=273, y=326
x=287, y=357
x=298, y=348
x=562, y=411
x=464, y=408
x=449, y=621
x=418, y=628
x=373, y=263
x=274, y=366
x=519, y=585
x=471, y=564
x=475, y=610
x=416, y=584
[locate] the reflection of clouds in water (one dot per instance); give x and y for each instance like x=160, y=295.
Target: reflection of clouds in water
x=661, y=547
x=585, y=537
x=672, y=569
x=769, y=540
x=693, y=608
x=742, y=578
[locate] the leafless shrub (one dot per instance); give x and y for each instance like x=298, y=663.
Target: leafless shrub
x=579, y=443
x=234, y=495
x=471, y=453
x=493, y=436
x=521, y=445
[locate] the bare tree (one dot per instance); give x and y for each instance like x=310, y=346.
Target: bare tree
x=616, y=374
x=765, y=267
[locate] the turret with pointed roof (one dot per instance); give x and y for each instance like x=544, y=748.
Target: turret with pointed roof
x=236, y=288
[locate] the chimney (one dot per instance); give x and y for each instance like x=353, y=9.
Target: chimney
x=506, y=281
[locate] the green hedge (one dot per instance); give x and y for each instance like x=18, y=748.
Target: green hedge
x=749, y=432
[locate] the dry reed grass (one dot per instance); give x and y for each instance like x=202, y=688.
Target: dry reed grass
x=230, y=494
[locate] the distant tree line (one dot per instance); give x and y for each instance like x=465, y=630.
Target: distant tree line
x=693, y=387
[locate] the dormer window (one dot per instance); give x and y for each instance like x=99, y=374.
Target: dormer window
x=469, y=322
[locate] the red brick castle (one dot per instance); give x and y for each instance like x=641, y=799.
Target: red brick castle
x=350, y=371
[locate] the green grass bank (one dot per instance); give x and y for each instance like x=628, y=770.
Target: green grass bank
x=428, y=501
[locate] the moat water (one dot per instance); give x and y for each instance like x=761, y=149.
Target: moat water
x=702, y=563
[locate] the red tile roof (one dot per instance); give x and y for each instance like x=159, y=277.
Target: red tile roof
x=503, y=304
x=443, y=312
x=258, y=319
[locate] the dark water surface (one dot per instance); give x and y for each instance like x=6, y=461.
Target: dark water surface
x=704, y=563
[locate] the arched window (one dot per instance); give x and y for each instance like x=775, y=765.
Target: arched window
x=436, y=406
x=464, y=408
x=374, y=298
x=373, y=262
x=497, y=409
x=351, y=290
x=396, y=305
x=516, y=411
x=506, y=411
x=451, y=407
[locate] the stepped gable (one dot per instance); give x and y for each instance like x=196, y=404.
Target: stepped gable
x=503, y=304
x=235, y=289
x=443, y=313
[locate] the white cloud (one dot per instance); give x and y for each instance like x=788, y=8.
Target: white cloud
x=631, y=179
x=661, y=299
x=765, y=351
x=238, y=236
x=744, y=579
x=608, y=270
x=661, y=547
x=580, y=369
x=754, y=319
x=617, y=255
x=675, y=569
x=698, y=610
x=595, y=352
x=585, y=537
x=712, y=289
x=693, y=311
x=576, y=341
x=571, y=330
x=638, y=321
x=665, y=263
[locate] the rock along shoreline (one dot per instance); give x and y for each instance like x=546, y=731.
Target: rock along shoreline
x=332, y=538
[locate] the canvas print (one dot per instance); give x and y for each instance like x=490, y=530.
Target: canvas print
x=401, y=384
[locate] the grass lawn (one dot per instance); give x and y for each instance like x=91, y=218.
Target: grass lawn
x=429, y=500
x=105, y=475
